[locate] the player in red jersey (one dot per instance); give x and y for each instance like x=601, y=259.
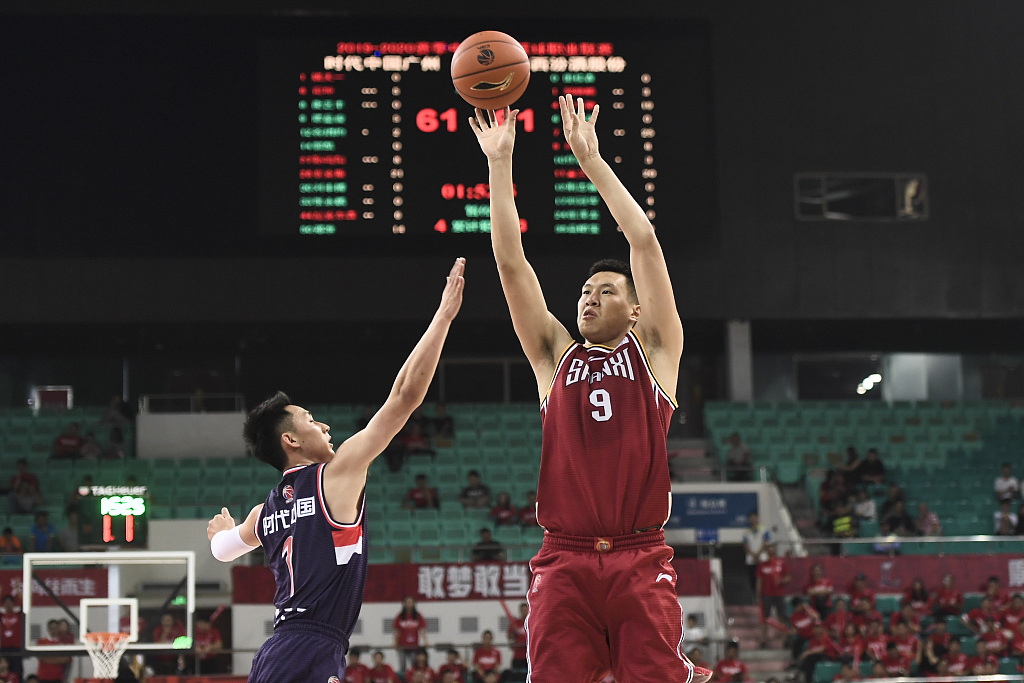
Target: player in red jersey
x=603, y=584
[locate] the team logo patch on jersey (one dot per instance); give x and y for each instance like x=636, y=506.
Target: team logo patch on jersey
x=333, y=679
x=289, y=493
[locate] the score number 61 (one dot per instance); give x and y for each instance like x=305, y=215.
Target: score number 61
x=430, y=120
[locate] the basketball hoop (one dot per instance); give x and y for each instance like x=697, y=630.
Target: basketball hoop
x=105, y=650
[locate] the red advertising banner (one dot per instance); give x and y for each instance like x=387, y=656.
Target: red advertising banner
x=469, y=581
x=69, y=585
x=895, y=574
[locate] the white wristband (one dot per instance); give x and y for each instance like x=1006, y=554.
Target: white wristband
x=227, y=545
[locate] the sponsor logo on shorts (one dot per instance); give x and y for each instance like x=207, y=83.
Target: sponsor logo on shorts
x=663, y=575
x=289, y=493
x=536, y=583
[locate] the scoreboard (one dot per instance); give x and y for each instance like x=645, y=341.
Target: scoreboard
x=114, y=516
x=232, y=135
x=366, y=137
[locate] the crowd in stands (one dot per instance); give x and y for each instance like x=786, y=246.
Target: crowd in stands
x=847, y=630
x=410, y=641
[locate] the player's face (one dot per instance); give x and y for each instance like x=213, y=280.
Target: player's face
x=605, y=312
x=312, y=438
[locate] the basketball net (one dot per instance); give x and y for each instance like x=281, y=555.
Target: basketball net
x=105, y=650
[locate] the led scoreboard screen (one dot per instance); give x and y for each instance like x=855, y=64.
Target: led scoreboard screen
x=364, y=135
x=113, y=516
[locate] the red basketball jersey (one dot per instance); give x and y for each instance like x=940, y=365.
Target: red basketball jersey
x=604, y=460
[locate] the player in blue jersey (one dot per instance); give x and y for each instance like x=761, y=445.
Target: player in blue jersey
x=312, y=525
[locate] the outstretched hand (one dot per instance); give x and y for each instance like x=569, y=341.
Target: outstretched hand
x=220, y=522
x=579, y=132
x=496, y=139
x=451, y=298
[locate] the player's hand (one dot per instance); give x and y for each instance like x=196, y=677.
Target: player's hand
x=496, y=139
x=451, y=297
x=579, y=132
x=220, y=522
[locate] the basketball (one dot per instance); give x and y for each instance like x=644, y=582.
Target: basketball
x=490, y=70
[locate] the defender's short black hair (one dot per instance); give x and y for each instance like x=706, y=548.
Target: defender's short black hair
x=611, y=265
x=263, y=429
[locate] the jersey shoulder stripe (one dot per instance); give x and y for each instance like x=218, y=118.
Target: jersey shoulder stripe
x=650, y=370
x=347, y=538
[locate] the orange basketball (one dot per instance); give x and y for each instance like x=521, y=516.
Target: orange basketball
x=490, y=70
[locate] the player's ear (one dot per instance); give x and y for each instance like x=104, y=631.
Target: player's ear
x=634, y=315
x=288, y=439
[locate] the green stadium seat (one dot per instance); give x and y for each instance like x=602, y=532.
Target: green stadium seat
x=825, y=672
x=1009, y=666
x=887, y=604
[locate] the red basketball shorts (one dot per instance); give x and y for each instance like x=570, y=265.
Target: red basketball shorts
x=605, y=609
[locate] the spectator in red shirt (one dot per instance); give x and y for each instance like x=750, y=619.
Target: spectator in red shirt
x=455, y=667
x=819, y=648
x=503, y=512
x=517, y=637
x=819, y=589
x=906, y=616
x=166, y=632
x=851, y=643
x=68, y=443
x=864, y=619
x=1017, y=642
x=12, y=633
x=770, y=589
x=420, y=671
x=696, y=657
x=918, y=598
x=975, y=618
x=802, y=622
x=906, y=642
x=955, y=658
x=486, y=657
x=948, y=600
x=356, y=671
x=208, y=645
x=51, y=669
x=862, y=598
x=410, y=631
x=6, y=675
x=936, y=645
x=1000, y=597
x=875, y=641
x=730, y=669
x=996, y=639
x=1013, y=613
x=894, y=663
x=382, y=672
x=837, y=621
x=941, y=670
x=983, y=663
x=420, y=496
x=528, y=510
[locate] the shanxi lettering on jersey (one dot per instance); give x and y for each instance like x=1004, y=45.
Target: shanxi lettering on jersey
x=616, y=365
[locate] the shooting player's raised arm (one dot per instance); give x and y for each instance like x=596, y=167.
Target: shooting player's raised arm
x=539, y=332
